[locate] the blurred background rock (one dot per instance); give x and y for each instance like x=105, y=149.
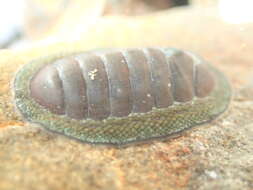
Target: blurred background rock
x=28, y=20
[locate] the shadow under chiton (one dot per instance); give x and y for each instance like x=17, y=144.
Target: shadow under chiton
x=119, y=96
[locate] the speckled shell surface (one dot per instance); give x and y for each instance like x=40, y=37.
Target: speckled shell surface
x=120, y=96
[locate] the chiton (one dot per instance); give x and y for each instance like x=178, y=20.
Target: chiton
x=119, y=96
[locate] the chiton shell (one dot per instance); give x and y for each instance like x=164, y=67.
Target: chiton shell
x=119, y=96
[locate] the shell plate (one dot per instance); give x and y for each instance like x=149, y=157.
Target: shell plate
x=120, y=96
